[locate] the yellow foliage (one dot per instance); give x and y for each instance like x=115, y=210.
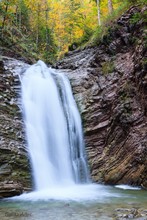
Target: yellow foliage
x=68, y=20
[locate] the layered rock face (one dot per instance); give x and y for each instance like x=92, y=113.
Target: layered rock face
x=14, y=164
x=110, y=86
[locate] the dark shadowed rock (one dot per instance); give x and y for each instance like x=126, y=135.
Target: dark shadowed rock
x=10, y=189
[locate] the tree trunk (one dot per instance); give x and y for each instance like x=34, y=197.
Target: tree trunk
x=98, y=12
x=110, y=6
x=47, y=30
x=20, y=5
x=38, y=22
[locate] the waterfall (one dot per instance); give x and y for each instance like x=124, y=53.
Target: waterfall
x=53, y=128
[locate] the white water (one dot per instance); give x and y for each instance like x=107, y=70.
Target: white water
x=127, y=187
x=53, y=129
x=74, y=125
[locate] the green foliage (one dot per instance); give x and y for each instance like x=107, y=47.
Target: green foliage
x=87, y=34
x=135, y=18
x=46, y=45
x=138, y=2
x=24, y=12
x=103, y=30
x=16, y=32
x=108, y=67
x=138, y=17
x=83, y=40
x=1, y=10
x=14, y=42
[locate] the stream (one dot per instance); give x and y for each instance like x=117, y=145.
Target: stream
x=120, y=204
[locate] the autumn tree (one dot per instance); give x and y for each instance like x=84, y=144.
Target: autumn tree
x=51, y=26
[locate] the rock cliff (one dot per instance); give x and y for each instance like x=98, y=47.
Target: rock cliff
x=110, y=86
x=14, y=164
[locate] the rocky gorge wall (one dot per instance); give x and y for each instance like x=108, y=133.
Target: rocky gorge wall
x=15, y=175
x=110, y=86
x=109, y=82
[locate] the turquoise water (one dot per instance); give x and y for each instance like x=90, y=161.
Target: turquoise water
x=104, y=208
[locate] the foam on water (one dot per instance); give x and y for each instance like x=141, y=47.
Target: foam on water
x=127, y=187
x=77, y=192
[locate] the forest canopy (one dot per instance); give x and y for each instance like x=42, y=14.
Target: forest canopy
x=50, y=27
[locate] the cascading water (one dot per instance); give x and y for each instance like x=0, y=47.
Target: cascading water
x=74, y=125
x=55, y=140
x=53, y=128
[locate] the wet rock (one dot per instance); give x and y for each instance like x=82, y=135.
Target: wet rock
x=10, y=189
x=133, y=213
